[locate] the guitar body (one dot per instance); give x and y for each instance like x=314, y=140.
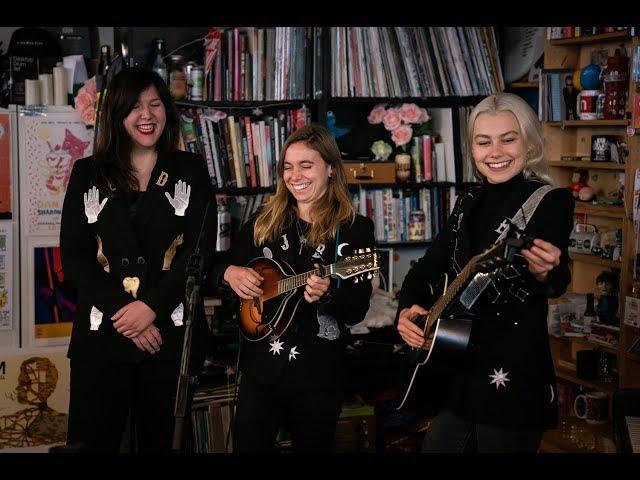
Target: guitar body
x=450, y=341
x=270, y=313
x=449, y=321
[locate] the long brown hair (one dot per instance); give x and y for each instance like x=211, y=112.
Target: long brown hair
x=327, y=213
x=113, y=149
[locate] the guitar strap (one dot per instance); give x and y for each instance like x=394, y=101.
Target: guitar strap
x=482, y=280
x=528, y=208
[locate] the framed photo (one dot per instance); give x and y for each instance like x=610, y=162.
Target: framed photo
x=608, y=148
x=386, y=269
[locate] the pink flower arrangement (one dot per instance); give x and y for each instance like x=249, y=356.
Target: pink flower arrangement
x=85, y=102
x=399, y=120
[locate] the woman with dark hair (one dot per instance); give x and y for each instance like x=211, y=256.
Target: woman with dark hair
x=131, y=217
x=296, y=379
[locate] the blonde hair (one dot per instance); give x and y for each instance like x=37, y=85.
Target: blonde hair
x=327, y=213
x=535, y=165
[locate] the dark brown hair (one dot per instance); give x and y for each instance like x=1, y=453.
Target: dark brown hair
x=113, y=149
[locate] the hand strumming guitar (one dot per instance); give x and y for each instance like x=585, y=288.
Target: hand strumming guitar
x=244, y=281
x=411, y=333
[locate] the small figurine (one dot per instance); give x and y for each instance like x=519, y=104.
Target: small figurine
x=381, y=150
x=330, y=123
x=607, y=283
x=579, y=179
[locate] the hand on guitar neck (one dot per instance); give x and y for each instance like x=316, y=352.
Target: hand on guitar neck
x=316, y=287
x=410, y=326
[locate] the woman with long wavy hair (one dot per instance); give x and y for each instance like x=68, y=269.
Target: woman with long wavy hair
x=296, y=379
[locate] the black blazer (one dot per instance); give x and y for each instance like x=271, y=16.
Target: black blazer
x=153, y=247
x=509, y=334
x=318, y=330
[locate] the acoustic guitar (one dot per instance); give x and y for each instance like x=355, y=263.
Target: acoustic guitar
x=270, y=314
x=449, y=320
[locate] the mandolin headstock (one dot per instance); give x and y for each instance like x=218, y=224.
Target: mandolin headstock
x=357, y=264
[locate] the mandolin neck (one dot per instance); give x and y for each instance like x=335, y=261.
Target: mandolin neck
x=296, y=281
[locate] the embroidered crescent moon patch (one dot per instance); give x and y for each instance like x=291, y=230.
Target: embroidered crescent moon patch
x=131, y=285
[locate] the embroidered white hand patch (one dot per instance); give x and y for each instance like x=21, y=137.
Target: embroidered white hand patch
x=177, y=315
x=95, y=318
x=180, y=200
x=92, y=204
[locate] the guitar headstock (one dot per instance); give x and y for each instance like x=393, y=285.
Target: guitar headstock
x=357, y=264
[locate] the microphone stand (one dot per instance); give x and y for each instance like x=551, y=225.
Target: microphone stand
x=186, y=382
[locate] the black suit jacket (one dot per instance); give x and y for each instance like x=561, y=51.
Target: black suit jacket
x=138, y=247
x=507, y=334
x=318, y=331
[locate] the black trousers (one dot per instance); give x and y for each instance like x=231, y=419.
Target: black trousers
x=310, y=416
x=103, y=393
x=449, y=433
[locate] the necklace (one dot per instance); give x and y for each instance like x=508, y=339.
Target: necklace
x=302, y=239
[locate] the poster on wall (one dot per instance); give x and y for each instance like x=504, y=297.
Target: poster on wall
x=5, y=165
x=34, y=401
x=54, y=300
x=6, y=275
x=49, y=146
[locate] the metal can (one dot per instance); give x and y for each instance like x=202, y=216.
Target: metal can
x=197, y=82
x=223, y=238
x=417, y=228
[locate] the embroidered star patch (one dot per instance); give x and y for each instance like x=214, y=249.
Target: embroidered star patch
x=499, y=378
x=293, y=352
x=276, y=346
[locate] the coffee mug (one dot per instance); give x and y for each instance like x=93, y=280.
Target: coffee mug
x=587, y=104
x=592, y=407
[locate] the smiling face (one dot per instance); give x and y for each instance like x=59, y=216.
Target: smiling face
x=305, y=174
x=146, y=120
x=498, y=147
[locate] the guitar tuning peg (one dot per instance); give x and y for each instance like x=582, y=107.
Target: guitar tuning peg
x=367, y=249
x=355, y=279
x=369, y=276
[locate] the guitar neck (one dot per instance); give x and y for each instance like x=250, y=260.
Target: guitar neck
x=296, y=281
x=449, y=294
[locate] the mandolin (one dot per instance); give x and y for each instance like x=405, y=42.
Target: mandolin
x=270, y=314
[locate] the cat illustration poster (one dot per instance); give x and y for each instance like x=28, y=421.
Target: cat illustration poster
x=49, y=146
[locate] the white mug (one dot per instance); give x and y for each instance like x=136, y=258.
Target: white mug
x=596, y=407
x=587, y=104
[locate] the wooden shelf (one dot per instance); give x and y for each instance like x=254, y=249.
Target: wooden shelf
x=523, y=85
x=588, y=123
x=407, y=185
x=594, y=260
x=571, y=377
x=584, y=341
x=243, y=104
x=599, y=210
x=585, y=164
x=582, y=40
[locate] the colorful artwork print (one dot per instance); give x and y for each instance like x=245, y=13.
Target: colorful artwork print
x=54, y=299
x=51, y=146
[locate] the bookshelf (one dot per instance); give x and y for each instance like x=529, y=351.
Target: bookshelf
x=572, y=138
